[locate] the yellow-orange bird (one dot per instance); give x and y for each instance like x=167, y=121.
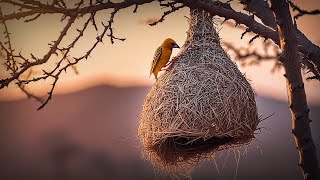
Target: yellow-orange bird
x=162, y=56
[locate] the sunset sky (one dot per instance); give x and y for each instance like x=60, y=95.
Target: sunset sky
x=128, y=63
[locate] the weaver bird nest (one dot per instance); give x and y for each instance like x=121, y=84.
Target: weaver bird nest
x=203, y=105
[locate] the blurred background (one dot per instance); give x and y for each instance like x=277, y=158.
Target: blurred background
x=89, y=129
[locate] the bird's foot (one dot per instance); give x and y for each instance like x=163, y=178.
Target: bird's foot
x=170, y=65
x=165, y=68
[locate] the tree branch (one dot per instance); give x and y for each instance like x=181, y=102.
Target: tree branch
x=222, y=10
x=172, y=9
x=260, y=8
x=249, y=56
x=26, y=92
x=305, y=46
x=45, y=57
x=51, y=9
x=296, y=92
x=33, y=9
x=302, y=12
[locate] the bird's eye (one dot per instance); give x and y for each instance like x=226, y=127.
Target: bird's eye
x=173, y=44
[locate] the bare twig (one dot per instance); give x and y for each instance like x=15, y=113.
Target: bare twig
x=33, y=9
x=65, y=52
x=45, y=57
x=173, y=8
x=249, y=56
x=29, y=94
x=10, y=59
x=99, y=39
x=260, y=8
x=265, y=31
x=247, y=53
x=26, y=92
x=302, y=12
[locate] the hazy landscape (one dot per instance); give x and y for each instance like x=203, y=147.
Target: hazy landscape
x=91, y=134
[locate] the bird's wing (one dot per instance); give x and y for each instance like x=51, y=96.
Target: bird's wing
x=156, y=58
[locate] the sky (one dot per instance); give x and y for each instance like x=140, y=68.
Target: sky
x=128, y=63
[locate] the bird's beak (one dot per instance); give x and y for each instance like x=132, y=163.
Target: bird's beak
x=176, y=45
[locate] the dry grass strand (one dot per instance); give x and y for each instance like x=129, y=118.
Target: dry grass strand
x=203, y=105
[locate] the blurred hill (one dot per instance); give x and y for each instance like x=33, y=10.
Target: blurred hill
x=91, y=134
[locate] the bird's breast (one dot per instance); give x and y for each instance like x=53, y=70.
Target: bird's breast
x=166, y=53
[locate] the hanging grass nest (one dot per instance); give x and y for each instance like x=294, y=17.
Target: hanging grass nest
x=203, y=105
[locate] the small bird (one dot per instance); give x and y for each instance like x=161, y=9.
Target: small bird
x=162, y=56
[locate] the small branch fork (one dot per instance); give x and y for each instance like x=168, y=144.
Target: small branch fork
x=30, y=10
x=250, y=56
x=173, y=8
x=271, y=52
x=309, y=51
x=302, y=12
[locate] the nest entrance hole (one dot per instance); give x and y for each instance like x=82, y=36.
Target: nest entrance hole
x=179, y=149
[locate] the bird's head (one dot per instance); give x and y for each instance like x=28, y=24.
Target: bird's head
x=170, y=44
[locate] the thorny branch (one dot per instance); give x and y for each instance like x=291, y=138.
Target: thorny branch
x=26, y=92
x=302, y=12
x=265, y=31
x=11, y=64
x=297, y=101
x=310, y=51
x=72, y=14
x=30, y=10
x=166, y=13
x=251, y=56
